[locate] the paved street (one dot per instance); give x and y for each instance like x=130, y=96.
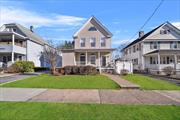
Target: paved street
x=150, y=97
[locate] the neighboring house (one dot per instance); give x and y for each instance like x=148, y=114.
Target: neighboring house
x=92, y=46
x=155, y=50
x=20, y=43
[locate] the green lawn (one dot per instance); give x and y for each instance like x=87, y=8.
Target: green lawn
x=59, y=111
x=66, y=82
x=149, y=83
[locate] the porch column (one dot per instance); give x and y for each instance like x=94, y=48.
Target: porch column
x=86, y=58
x=159, y=61
x=75, y=59
x=175, y=61
x=12, y=56
x=99, y=60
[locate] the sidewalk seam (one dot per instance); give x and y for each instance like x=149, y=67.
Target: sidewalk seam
x=167, y=96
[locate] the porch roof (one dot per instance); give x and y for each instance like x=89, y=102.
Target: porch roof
x=94, y=50
x=7, y=34
x=168, y=51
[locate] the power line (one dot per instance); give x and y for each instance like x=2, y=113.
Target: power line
x=149, y=18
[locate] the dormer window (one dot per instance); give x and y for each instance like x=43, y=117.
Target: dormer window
x=92, y=29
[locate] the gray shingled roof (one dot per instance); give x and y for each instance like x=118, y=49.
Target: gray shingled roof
x=28, y=33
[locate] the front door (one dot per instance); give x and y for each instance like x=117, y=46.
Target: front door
x=4, y=59
x=103, y=61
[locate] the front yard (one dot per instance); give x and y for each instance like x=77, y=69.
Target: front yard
x=149, y=83
x=58, y=111
x=66, y=82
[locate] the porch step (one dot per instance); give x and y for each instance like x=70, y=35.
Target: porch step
x=124, y=84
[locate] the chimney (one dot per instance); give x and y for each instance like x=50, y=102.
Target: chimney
x=141, y=33
x=31, y=28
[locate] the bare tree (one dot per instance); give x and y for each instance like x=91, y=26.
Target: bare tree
x=51, y=53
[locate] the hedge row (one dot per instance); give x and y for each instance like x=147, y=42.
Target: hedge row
x=77, y=70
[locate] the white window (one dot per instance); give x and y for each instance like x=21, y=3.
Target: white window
x=178, y=59
x=103, y=42
x=153, y=45
x=173, y=45
x=82, y=42
x=93, y=42
x=129, y=50
x=134, y=48
x=153, y=60
x=162, y=32
x=93, y=59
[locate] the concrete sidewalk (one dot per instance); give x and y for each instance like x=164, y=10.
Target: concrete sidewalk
x=154, y=97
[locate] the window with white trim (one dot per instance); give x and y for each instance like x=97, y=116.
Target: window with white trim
x=83, y=42
x=173, y=45
x=153, y=45
x=93, y=42
x=178, y=59
x=93, y=59
x=103, y=42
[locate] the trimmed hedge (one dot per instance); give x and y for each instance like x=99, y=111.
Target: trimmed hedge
x=21, y=66
x=39, y=69
x=78, y=70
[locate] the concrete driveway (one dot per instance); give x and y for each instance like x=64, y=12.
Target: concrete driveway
x=15, y=77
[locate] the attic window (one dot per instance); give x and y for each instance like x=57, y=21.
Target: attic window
x=92, y=29
x=164, y=32
x=14, y=29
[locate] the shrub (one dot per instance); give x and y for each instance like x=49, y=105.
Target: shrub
x=39, y=69
x=1, y=70
x=21, y=66
x=82, y=70
x=62, y=71
x=124, y=72
x=68, y=70
x=168, y=70
x=75, y=69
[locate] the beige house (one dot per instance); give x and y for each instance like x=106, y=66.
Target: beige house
x=92, y=46
x=156, y=49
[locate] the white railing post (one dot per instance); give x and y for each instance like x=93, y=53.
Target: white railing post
x=159, y=61
x=86, y=59
x=175, y=61
x=99, y=57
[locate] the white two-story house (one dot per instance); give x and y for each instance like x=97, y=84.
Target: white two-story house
x=20, y=43
x=92, y=46
x=156, y=49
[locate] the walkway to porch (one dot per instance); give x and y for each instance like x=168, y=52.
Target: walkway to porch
x=124, y=84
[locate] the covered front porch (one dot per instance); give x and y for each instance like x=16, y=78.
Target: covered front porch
x=159, y=59
x=97, y=58
x=6, y=59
